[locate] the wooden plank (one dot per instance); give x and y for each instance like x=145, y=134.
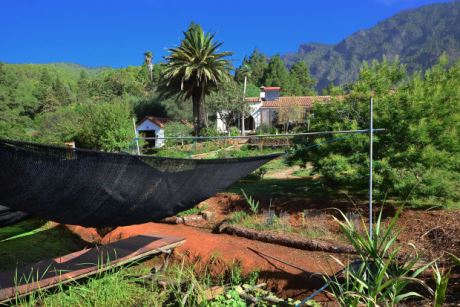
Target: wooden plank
x=84, y=263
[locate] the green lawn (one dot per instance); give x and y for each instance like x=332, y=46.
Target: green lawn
x=33, y=240
x=21, y=227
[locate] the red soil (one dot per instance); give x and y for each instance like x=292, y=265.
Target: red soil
x=288, y=281
x=432, y=232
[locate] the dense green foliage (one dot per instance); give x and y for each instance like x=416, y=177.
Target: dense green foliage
x=417, y=157
x=228, y=103
x=55, y=103
x=417, y=37
x=194, y=70
x=263, y=72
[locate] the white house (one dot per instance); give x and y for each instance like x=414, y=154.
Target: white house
x=152, y=127
x=264, y=109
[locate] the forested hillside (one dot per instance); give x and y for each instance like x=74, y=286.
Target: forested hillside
x=418, y=37
x=62, y=102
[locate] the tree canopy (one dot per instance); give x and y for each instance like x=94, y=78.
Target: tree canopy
x=195, y=69
x=417, y=157
x=262, y=71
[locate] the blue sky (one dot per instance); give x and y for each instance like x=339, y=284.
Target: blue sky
x=116, y=33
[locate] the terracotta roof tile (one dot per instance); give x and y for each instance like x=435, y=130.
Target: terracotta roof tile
x=304, y=101
x=159, y=121
x=271, y=88
x=252, y=99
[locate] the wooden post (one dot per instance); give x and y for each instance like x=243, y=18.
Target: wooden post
x=70, y=150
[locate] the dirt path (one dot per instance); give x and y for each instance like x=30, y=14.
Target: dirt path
x=285, y=173
x=290, y=281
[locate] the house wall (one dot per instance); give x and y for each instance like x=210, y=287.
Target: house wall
x=147, y=125
x=220, y=124
x=254, y=112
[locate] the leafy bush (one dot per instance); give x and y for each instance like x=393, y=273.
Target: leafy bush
x=210, y=131
x=106, y=126
x=266, y=129
x=234, y=131
x=417, y=158
x=177, y=129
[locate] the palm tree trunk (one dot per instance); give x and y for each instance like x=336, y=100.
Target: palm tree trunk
x=199, y=112
x=196, y=110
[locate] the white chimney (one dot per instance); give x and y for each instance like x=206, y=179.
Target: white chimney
x=262, y=93
x=269, y=93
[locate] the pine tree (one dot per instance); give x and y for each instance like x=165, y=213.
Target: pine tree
x=83, y=87
x=61, y=92
x=301, y=82
x=257, y=63
x=277, y=74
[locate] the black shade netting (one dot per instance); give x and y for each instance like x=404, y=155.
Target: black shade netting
x=98, y=189
x=9, y=216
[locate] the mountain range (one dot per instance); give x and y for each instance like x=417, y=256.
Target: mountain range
x=416, y=37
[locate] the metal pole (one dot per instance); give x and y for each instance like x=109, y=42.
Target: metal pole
x=243, y=128
x=371, y=140
x=137, y=136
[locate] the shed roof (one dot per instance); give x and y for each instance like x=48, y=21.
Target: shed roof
x=159, y=121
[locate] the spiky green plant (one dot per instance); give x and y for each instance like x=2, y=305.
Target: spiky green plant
x=253, y=204
x=441, y=280
x=194, y=69
x=379, y=276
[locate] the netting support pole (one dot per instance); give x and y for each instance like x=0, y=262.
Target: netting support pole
x=371, y=140
x=136, y=134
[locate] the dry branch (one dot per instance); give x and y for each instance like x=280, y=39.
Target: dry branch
x=300, y=243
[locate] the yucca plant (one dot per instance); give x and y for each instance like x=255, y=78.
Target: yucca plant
x=378, y=277
x=253, y=204
x=441, y=280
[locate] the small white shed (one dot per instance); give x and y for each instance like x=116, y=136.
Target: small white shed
x=153, y=127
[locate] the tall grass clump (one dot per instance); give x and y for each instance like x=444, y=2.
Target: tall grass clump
x=379, y=276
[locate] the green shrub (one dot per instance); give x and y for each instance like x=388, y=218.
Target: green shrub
x=177, y=129
x=210, y=131
x=234, y=131
x=417, y=158
x=106, y=126
x=266, y=129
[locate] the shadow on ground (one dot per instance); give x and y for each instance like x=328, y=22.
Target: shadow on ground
x=36, y=244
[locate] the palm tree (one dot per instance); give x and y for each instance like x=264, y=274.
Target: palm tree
x=148, y=57
x=193, y=70
x=245, y=71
